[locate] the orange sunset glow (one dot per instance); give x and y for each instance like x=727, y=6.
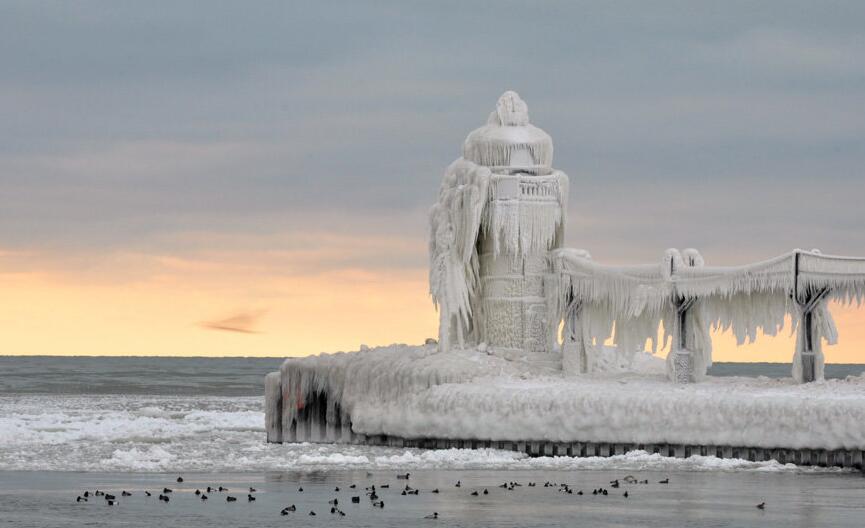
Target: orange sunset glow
x=161, y=305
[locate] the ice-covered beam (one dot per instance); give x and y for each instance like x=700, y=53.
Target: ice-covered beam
x=273, y=406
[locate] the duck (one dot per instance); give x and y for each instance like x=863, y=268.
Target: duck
x=378, y=504
x=353, y=486
x=86, y=494
x=435, y=490
x=125, y=493
x=222, y=489
x=336, y=489
x=198, y=492
x=167, y=490
x=403, y=477
x=300, y=489
x=147, y=493
x=435, y=515
x=109, y=497
x=249, y=497
x=80, y=499
x=210, y=490
x=179, y=479
x=474, y=493
x=625, y=495
x=290, y=508
x=665, y=481
x=112, y=503
x=230, y=499
x=355, y=500
x=458, y=484
x=333, y=502
x=486, y=492
x=762, y=506
x=252, y=490
x=311, y=513
x=203, y=496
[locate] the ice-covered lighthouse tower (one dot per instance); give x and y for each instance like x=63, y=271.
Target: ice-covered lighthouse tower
x=501, y=209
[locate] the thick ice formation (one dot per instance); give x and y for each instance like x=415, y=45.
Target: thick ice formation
x=419, y=392
x=501, y=208
x=505, y=287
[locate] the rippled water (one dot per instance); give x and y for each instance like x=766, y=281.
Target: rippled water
x=69, y=424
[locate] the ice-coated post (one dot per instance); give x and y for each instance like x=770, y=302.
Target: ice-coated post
x=574, y=360
x=683, y=360
x=273, y=406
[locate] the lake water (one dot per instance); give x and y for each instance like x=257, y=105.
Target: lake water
x=70, y=424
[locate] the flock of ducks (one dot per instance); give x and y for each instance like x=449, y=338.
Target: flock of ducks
x=371, y=492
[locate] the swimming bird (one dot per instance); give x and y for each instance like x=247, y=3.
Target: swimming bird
x=762, y=505
x=373, y=496
x=198, y=492
x=99, y=493
x=580, y=492
x=333, y=502
x=332, y=510
x=80, y=498
x=626, y=495
x=341, y=513
x=291, y=508
x=665, y=481
x=383, y=486
x=311, y=512
x=222, y=489
x=125, y=493
x=614, y=484
x=355, y=500
x=435, y=515
x=378, y=504
x=249, y=497
x=300, y=490
x=252, y=490
x=163, y=498
x=605, y=492
x=109, y=497
x=86, y=494
x=230, y=499
x=147, y=493
x=203, y=496
x=353, y=486
x=403, y=477
x=167, y=490
x=474, y=493
x=435, y=490
x=209, y=489
x=486, y=492
x=179, y=479
x=336, y=489
x=458, y=484
x=111, y=503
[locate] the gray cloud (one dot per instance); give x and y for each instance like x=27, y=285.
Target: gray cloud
x=735, y=127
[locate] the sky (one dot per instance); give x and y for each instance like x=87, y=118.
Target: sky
x=252, y=178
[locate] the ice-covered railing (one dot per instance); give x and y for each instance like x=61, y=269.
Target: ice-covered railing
x=686, y=298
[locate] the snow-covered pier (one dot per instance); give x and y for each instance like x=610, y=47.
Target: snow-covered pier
x=520, y=362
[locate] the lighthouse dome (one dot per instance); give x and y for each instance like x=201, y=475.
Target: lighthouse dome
x=508, y=142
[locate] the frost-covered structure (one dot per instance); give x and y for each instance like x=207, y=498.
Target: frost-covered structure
x=521, y=355
x=501, y=209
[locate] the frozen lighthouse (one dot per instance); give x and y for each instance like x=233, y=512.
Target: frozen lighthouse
x=501, y=209
x=542, y=350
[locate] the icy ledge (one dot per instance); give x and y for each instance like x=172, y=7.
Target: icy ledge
x=417, y=392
